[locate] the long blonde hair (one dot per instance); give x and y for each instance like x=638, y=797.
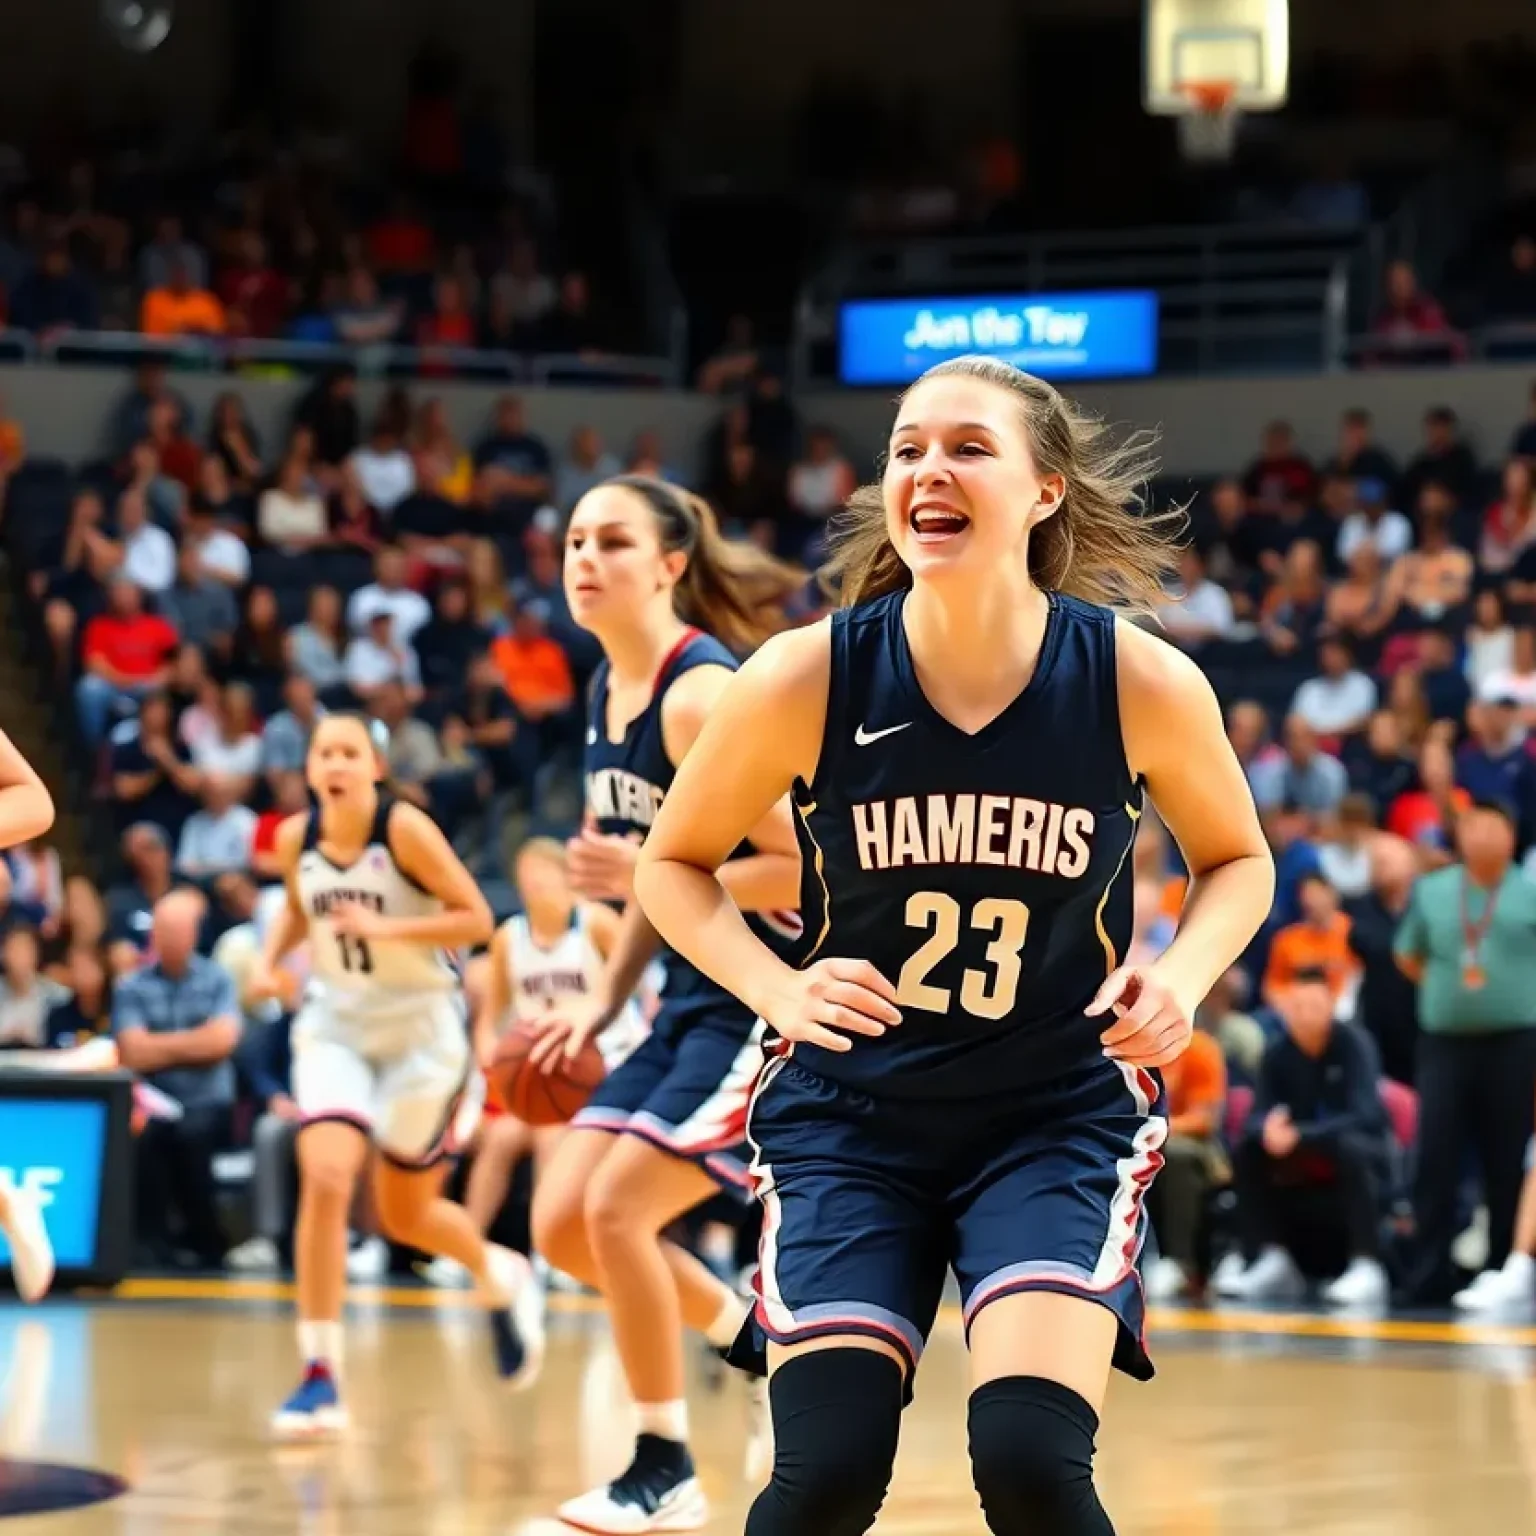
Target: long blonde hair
x=1103, y=543
x=731, y=589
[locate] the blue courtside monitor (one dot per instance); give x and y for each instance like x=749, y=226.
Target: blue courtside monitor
x=1055, y=335
x=56, y=1147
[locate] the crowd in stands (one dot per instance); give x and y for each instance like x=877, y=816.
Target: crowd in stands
x=1361, y=1090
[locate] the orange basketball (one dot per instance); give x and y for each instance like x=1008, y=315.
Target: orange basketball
x=542, y=1098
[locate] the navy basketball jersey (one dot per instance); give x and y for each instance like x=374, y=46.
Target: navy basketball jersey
x=626, y=782
x=988, y=876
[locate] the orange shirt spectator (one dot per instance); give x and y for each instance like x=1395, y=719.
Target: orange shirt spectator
x=1320, y=941
x=181, y=310
x=1197, y=1088
x=534, y=670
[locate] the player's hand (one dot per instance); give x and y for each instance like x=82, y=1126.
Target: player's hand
x=602, y=865
x=1152, y=1025
x=563, y=1033
x=832, y=999
x=355, y=920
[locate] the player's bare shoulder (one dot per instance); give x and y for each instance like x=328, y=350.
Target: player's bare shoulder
x=1164, y=696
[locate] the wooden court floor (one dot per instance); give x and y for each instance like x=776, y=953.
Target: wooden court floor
x=1288, y=1424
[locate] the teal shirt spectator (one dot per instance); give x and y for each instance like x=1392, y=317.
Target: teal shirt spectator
x=1434, y=932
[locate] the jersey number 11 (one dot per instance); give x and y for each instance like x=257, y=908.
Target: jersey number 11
x=355, y=954
x=987, y=996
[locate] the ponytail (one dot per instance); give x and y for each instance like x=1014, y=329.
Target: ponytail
x=730, y=589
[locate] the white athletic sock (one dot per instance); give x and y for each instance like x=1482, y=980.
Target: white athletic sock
x=727, y=1324
x=669, y=1420
x=320, y=1344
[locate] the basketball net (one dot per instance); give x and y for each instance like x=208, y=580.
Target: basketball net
x=1208, y=129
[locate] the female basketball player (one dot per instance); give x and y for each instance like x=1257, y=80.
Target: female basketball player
x=380, y=1050
x=647, y=572
x=26, y=811
x=551, y=952
x=964, y=1069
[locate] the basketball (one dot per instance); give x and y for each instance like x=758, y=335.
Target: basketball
x=540, y=1098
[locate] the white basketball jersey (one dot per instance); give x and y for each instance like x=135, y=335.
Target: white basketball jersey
x=368, y=974
x=542, y=978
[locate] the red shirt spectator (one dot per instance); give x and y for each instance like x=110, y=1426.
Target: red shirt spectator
x=133, y=646
x=254, y=293
x=1281, y=475
x=400, y=242
x=1410, y=315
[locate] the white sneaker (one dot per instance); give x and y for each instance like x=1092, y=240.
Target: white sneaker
x=369, y=1260
x=255, y=1256
x=1363, y=1284
x=1226, y=1278
x=626, y=1509
x=1165, y=1280
x=1469, y=1250
x=1272, y=1276
x=31, y=1252
x=1498, y=1288
x=516, y=1303
x=446, y=1274
x=758, y=1465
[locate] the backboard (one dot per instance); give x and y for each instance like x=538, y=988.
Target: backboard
x=1191, y=43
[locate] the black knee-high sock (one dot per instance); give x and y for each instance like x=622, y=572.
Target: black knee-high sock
x=836, y=1417
x=1032, y=1458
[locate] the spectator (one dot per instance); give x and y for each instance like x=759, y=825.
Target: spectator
x=1440, y=677
x=1295, y=609
x=147, y=853
x=534, y=670
x=450, y=323
x=85, y=1009
x=383, y=465
x=353, y=523
x=1494, y=764
x=732, y=366
x=147, y=553
x=513, y=467
x=1360, y=607
x=53, y=296
x=222, y=554
x=364, y=318
x=1411, y=323
x=1344, y=853
x=1517, y=678
x=27, y=997
x=261, y=644
x=376, y=660
x=521, y=291
x=290, y=797
x=233, y=441
x=1524, y=444
x=329, y=413
x=202, y=610
x=388, y=593
x=443, y=468
x=1281, y=475
x=1434, y=580
x=1424, y=815
x=1509, y=527
x=285, y=737
x=124, y=655
x=1240, y=1035
x=586, y=464
x=1468, y=942
x=646, y=457
x=130, y=422
x=217, y=839
x=413, y=756
x=1380, y=767
x=290, y=514
x=1311, y=1166
x=233, y=748
x=1193, y=1164
x=176, y=455
x=1318, y=943
x=168, y=250
x=1390, y=532
x=268, y=1066
x=1202, y=612
x=153, y=777
x=1358, y=456
x=182, y=307
x=1511, y=295
x=1444, y=460
x=1385, y=1004
x=1341, y=700
x=449, y=641
x=317, y=647
x=569, y=327
x=255, y=295
x=1304, y=776
x=1490, y=640
x=177, y=1024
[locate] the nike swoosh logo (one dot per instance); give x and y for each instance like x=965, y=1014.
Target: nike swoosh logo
x=862, y=737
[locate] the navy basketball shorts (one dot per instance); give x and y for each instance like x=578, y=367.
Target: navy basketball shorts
x=868, y=1202
x=687, y=1091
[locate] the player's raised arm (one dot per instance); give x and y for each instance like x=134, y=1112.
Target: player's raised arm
x=762, y=734
x=26, y=807
x=1176, y=742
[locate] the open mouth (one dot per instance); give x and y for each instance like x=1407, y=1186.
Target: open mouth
x=934, y=525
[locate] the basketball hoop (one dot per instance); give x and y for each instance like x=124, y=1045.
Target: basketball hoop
x=1208, y=126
